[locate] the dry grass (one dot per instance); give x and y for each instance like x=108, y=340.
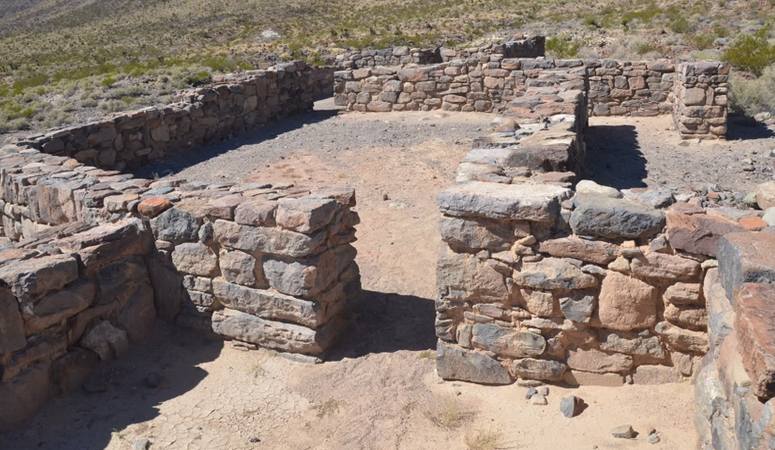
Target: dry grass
x=448, y=414
x=328, y=408
x=484, y=440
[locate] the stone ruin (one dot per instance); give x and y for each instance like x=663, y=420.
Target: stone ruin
x=488, y=79
x=543, y=275
x=92, y=256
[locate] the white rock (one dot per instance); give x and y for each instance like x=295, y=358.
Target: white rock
x=590, y=187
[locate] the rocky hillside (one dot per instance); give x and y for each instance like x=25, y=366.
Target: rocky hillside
x=64, y=61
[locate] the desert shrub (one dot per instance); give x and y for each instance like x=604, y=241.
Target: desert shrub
x=750, y=96
x=562, y=47
x=645, y=15
x=751, y=52
x=643, y=48
x=591, y=21
x=676, y=21
x=702, y=41
x=31, y=81
x=198, y=78
x=109, y=81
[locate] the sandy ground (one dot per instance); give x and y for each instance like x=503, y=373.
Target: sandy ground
x=380, y=390
x=635, y=152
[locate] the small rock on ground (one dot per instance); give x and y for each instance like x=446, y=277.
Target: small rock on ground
x=141, y=444
x=624, y=432
x=570, y=406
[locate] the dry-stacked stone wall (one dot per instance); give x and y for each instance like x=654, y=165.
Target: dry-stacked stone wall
x=735, y=386
x=90, y=257
x=543, y=279
x=695, y=93
x=488, y=82
x=67, y=301
x=232, y=105
x=630, y=88
x=532, y=47
x=459, y=85
x=700, y=106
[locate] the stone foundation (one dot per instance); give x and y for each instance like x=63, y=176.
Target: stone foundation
x=542, y=278
x=700, y=107
x=734, y=387
x=89, y=257
x=232, y=105
x=532, y=47
x=694, y=92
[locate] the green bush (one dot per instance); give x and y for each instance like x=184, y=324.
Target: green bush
x=702, y=41
x=750, y=96
x=198, y=78
x=643, y=48
x=109, y=81
x=680, y=25
x=751, y=52
x=562, y=47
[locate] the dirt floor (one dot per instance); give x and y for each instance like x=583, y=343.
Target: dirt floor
x=380, y=390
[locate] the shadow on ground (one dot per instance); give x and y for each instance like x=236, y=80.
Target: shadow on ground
x=614, y=156
x=385, y=323
x=182, y=160
x=745, y=128
x=119, y=393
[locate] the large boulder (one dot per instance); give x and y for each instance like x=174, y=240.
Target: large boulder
x=755, y=328
x=615, y=219
x=746, y=258
x=532, y=202
x=269, y=304
x=34, y=277
x=538, y=369
x=599, y=362
x=765, y=195
x=273, y=334
x=456, y=363
x=697, y=233
x=507, y=341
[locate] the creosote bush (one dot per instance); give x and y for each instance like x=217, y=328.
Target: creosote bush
x=750, y=96
x=562, y=47
x=751, y=52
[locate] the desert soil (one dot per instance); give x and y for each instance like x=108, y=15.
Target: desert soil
x=380, y=390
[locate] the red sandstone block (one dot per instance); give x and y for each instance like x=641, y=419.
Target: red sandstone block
x=755, y=328
x=697, y=233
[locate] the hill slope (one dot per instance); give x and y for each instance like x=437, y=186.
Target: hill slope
x=59, y=58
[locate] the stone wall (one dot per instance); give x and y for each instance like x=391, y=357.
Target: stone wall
x=90, y=257
x=489, y=82
x=625, y=88
x=700, y=107
x=734, y=387
x=543, y=279
x=532, y=47
x=457, y=85
x=231, y=105
x=67, y=301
